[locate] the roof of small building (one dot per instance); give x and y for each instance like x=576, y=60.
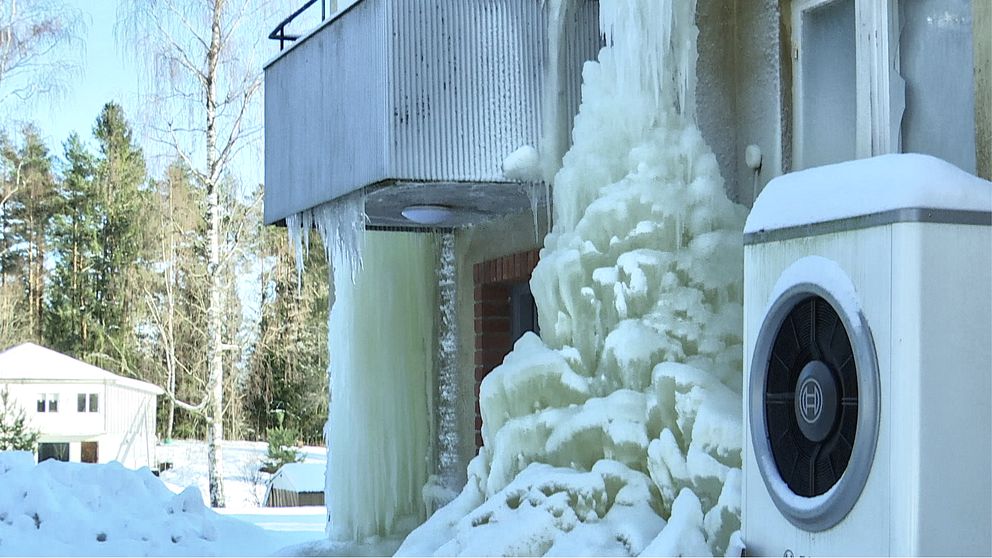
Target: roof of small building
x=300, y=477
x=33, y=363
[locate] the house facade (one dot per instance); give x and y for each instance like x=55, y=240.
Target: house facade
x=83, y=413
x=783, y=85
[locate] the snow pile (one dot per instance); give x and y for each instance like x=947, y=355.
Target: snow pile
x=63, y=509
x=619, y=432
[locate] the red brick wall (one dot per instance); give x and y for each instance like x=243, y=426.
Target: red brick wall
x=493, y=279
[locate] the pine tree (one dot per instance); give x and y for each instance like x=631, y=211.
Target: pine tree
x=75, y=236
x=288, y=367
x=15, y=434
x=26, y=213
x=125, y=201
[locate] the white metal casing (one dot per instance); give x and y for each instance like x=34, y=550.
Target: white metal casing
x=925, y=290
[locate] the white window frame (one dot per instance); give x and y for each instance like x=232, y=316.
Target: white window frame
x=881, y=91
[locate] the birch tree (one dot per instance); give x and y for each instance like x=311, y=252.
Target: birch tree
x=205, y=87
x=38, y=45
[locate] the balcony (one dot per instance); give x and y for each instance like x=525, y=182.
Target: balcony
x=412, y=102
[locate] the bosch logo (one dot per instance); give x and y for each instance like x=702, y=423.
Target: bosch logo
x=811, y=400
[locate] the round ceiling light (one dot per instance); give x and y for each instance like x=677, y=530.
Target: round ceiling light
x=428, y=214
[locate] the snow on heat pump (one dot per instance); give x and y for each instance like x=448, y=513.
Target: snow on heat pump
x=868, y=361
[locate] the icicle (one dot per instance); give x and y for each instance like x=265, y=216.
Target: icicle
x=294, y=227
x=534, y=197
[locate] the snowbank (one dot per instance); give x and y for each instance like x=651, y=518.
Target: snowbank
x=74, y=509
x=619, y=431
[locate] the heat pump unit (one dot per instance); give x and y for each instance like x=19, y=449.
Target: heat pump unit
x=868, y=361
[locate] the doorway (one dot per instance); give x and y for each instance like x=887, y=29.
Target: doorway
x=89, y=452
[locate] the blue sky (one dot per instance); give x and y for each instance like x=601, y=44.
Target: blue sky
x=106, y=73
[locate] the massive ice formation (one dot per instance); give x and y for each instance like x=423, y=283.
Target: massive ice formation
x=619, y=430
x=381, y=364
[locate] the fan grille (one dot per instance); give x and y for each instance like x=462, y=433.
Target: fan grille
x=811, y=331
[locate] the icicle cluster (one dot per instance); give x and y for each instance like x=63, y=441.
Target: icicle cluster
x=618, y=432
x=341, y=225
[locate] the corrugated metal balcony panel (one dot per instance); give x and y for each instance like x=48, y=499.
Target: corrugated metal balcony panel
x=326, y=106
x=467, y=77
x=408, y=91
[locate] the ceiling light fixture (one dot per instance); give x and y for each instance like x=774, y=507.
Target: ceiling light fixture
x=428, y=214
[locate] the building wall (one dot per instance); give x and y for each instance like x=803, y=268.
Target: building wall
x=67, y=422
x=493, y=282
x=124, y=425
x=982, y=21
x=740, y=92
x=130, y=436
x=489, y=241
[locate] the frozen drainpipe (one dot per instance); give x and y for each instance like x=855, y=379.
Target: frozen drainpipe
x=448, y=365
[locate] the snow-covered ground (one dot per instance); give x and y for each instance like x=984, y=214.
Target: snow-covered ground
x=75, y=509
x=244, y=484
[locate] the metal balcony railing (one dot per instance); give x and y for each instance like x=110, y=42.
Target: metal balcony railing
x=279, y=33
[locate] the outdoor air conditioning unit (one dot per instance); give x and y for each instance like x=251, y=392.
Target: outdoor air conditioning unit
x=868, y=361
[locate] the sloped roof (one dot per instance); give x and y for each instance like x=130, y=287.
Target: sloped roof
x=300, y=477
x=33, y=363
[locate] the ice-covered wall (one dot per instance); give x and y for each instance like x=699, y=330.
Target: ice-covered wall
x=473, y=245
x=381, y=363
x=381, y=341
x=619, y=431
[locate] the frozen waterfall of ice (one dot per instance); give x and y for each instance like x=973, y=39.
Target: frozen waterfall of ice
x=618, y=432
x=382, y=350
x=381, y=347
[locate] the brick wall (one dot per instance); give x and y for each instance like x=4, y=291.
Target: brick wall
x=493, y=280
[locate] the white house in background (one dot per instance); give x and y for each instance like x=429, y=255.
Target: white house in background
x=82, y=412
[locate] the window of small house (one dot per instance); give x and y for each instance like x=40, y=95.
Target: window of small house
x=48, y=403
x=53, y=450
x=87, y=402
x=935, y=49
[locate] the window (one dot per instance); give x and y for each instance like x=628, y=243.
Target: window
x=883, y=76
x=827, y=85
x=87, y=402
x=57, y=450
x=48, y=403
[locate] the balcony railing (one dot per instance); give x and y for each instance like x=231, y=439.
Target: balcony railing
x=279, y=33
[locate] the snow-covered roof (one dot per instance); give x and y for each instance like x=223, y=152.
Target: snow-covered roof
x=33, y=363
x=865, y=187
x=300, y=477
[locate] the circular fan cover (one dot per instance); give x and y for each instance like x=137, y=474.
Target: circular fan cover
x=811, y=397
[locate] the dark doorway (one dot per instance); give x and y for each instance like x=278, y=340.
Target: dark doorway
x=90, y=452
x=523, y=311
x=53, y=450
